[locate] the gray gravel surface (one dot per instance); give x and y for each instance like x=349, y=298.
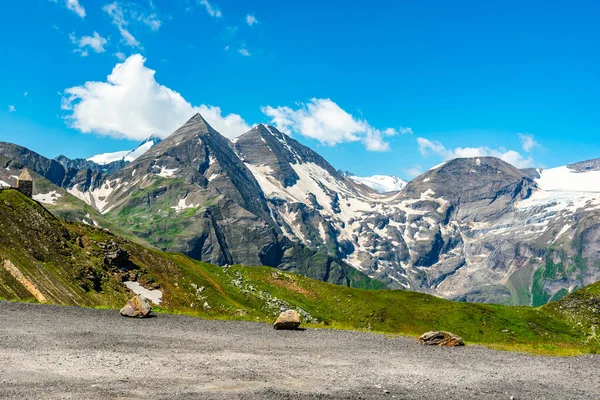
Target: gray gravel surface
x=64, y=352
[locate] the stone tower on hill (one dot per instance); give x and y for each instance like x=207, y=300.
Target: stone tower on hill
x=25, y=183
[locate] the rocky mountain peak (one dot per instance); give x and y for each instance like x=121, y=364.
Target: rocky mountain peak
x=266, y=147
x=480, y=187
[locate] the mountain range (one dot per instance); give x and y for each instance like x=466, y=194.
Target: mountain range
x=472, y=229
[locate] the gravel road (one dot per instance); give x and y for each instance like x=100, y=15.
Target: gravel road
x=64, y=352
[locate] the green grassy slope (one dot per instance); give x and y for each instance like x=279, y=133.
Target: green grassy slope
x=66, y=262
x=70, y=208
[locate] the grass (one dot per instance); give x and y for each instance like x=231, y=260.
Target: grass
x=66, y=263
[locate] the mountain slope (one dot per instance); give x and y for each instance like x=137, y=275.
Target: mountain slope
x=49, y=169
x=53, y=261
x=313, y=203
x=510, y=238
x=381, y=183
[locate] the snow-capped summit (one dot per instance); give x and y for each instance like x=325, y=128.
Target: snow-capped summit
x=381, y=183
x=126, y=155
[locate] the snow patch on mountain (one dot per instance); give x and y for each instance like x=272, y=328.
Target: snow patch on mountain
x=566, y=179
x=183, y=206
x=98, y=197
x=107, y=158
x=125, y=155
x=564, y=189
x=381, y=183
x=167, y=172
x=47, y=198
x=155, y=296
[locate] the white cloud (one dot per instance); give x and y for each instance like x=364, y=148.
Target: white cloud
x=95, y=42
x=325, y=121
x=117, y=14
x=244, y=52
x=413, y=171
x=131, y=104
x=213, y=11
x=150, y=20
x=123, y=14
x=513, y=157
x=11, y=108
x=74, y=6
x=251, y=20
x=528, y=142
x=120, y=56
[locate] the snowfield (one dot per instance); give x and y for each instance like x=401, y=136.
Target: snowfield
x=125, y=155
x=381, y=183
x=565, y=179
x=155, y=296
x=48, y=198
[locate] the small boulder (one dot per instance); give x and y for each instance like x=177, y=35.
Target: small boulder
x=137, y=307
x=288, y=320
x=440, y=338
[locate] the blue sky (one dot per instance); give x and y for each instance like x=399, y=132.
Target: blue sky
x=378, y=88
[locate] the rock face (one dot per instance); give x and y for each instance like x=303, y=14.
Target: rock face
x=440, y=338
x=137, y=307
x=114, y=256
x=288, y=320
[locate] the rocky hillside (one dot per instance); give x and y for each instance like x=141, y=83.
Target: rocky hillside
x=47, y=260
x=474, y=229
x=192, y=194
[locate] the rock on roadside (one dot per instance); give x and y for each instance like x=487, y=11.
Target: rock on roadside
x=440, y=338
x=288, y=320
x=137, y=307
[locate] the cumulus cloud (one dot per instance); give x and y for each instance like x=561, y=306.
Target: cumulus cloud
x=132, y=104
x=74, y=6
x=11, y=108
x=84, y=43
x=325, y=121
x=513, y=157
x=528, y=142
x=121, y=56
x=251, y=20
x=212, y=10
